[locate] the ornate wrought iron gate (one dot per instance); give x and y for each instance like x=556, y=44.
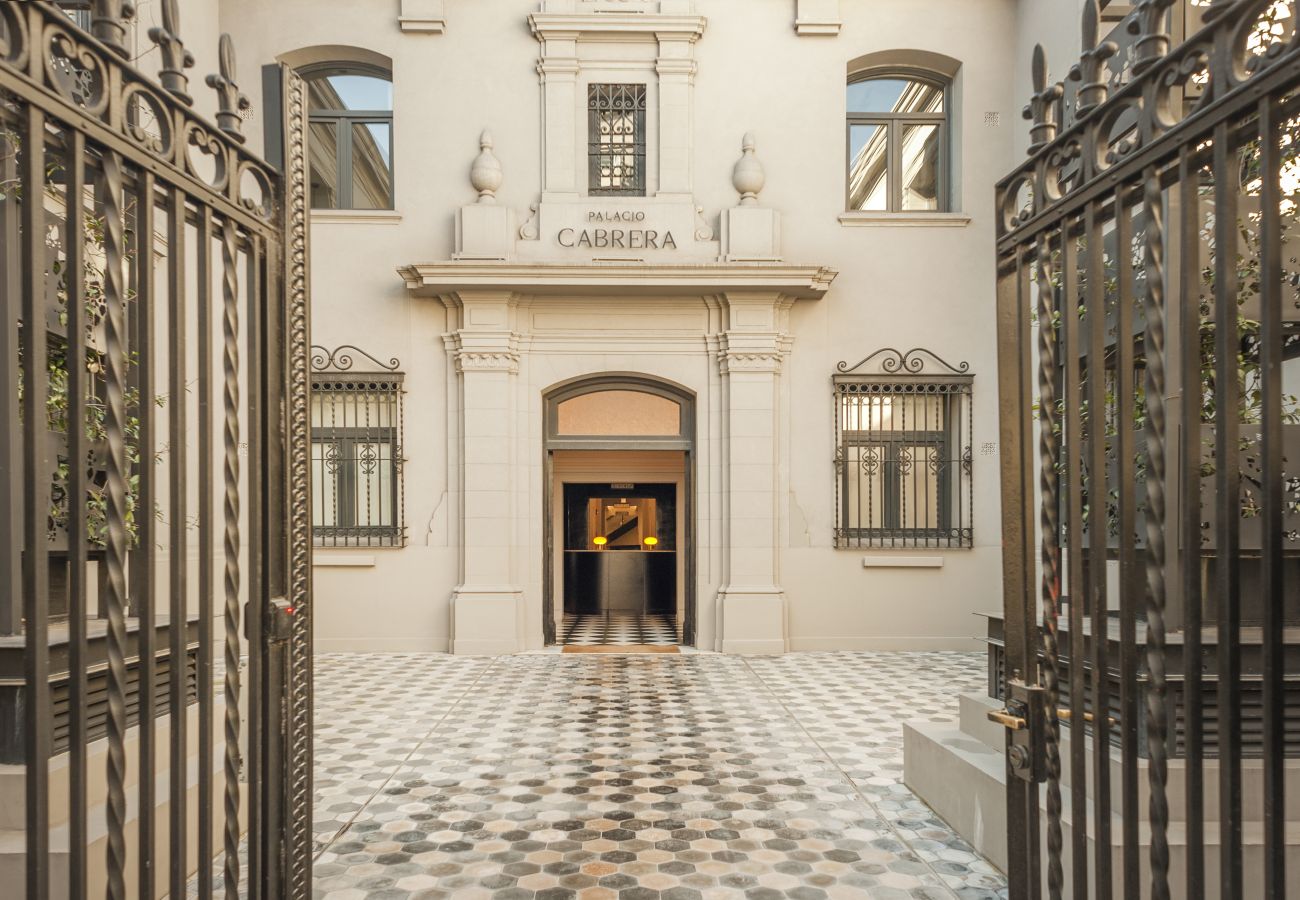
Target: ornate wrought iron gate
x=1149, y=314
x=154, y=484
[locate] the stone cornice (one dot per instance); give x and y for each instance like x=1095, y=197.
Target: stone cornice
x=748, y=361
x=630, y=279
x=616, y=26
x=487, y=361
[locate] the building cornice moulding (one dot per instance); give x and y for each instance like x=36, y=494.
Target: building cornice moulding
x=817, y=18
x=630, y=279
x=616, y=26
x=486, y=361
x=422, y=17
x=747, y=361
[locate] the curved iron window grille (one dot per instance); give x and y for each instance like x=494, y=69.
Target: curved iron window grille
x=903, y=457
x=356, y=460
x=897, y=139
x=351, y=138
x=616, y=139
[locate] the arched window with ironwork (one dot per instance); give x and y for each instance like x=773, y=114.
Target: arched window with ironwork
x=351, y=141
x=898, y=142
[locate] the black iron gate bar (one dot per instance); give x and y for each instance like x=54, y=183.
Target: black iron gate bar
x=1193, y=107
x=115, y=132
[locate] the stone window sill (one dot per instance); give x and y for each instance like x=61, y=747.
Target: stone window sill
x=341, y=560
x=355, y=217
x=903, y=220
x=902, y=562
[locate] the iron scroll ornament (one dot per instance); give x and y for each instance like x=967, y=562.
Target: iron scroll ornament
x=340, y=359
x=912, y=362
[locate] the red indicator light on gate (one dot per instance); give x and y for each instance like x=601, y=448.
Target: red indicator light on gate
x=291, y=609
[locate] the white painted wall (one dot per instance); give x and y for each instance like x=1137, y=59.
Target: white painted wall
x=898, y=286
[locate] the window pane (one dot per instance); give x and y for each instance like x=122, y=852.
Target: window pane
x=868, y=155
x=374, y=468
x=323, y=147
x=324, y=483
x=920, y=155
x=341, y=91
x=894, y=95
x=372, y=182
x=619, y=413
x=865, y=486
x=918, y=471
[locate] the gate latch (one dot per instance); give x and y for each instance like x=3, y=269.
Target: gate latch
x=1025, y=718
x=281, y=620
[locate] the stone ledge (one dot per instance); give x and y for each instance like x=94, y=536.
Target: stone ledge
x=902, y=562
x=903, y=220
x=810, y=28
x=422, y=17
x=355, y=217
x=342, y=560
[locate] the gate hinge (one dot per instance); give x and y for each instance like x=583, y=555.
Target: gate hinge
x=1025, y=719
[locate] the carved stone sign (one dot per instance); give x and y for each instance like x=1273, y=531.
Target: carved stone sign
x=616, y=229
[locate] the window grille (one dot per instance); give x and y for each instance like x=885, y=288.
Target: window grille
x=903, y=455
x=356, y=459
x=616, y=139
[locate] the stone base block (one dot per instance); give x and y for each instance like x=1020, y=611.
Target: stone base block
x=753, y=621
x=485, y=231
x=485, y=623
x=751, y=233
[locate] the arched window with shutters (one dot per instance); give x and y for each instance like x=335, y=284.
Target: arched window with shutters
x=351, y=142
x=898, y=142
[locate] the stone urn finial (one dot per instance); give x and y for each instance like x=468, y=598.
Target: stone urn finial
x=748, y=176
x=485, y=175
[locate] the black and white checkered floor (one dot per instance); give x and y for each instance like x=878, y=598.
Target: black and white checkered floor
x=619, y=629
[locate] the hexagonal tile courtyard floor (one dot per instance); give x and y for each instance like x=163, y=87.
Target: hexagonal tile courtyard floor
x=629, y=777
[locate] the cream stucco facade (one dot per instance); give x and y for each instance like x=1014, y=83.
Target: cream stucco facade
x=489, y=296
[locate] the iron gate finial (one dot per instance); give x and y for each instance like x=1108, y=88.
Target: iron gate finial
x=1090, y=71
x=176, y=59
x=1042, y=105
x=232, y=101
x=108, y=23
x=1153, y=41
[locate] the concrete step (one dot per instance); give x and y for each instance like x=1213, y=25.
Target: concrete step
x=963, y=780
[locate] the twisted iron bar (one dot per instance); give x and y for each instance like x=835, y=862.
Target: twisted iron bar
x=116, y=515
x=230, y=363
x=300, y=650
x=1154, y=351
x=1051, y=558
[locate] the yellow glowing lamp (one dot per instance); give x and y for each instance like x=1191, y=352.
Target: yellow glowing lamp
x=600, y=541
x=651, y=541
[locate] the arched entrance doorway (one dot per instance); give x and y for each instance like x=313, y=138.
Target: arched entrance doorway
x=619, y=521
